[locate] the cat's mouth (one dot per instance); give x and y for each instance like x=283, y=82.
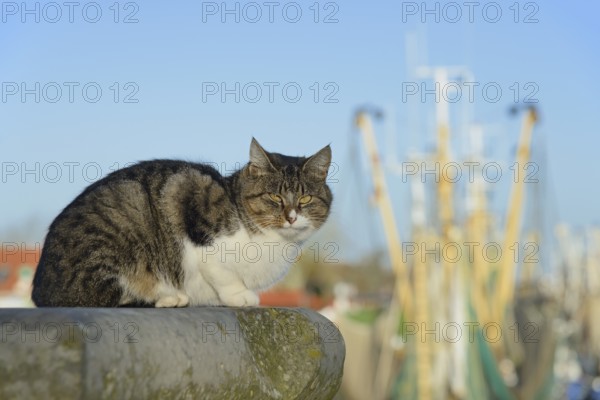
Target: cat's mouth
x=297, y=228
x=293, y=232
x=293, y=228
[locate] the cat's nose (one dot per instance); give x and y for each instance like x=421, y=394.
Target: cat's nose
x=291, y=217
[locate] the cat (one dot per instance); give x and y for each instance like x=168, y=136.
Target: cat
x=168, y=233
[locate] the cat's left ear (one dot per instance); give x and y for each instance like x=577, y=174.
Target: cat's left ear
x=317, y=165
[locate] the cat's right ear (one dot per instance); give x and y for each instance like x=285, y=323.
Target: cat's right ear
x=259, y=160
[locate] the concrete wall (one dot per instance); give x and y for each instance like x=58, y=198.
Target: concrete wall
x=187, y=353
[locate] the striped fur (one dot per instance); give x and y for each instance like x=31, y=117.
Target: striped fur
x=147, y=234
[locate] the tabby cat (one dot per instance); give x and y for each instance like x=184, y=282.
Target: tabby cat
x=167, y=233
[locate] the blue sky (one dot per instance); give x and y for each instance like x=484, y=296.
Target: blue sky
x=170, y=54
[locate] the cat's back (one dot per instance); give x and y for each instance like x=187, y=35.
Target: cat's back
x=152, y=175
x=142, y=181
x=131, y=201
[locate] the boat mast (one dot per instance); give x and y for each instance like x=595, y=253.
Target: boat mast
x=506, y=274
x=401, y=299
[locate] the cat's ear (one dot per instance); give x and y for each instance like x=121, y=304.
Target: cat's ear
x=259, y=160
x=317, y=165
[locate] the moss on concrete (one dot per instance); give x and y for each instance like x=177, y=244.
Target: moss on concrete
x=278, y=354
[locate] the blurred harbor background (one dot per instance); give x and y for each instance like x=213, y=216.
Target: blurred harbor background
x=462, y=257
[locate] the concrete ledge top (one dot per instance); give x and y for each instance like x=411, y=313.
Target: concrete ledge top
x=185, y=353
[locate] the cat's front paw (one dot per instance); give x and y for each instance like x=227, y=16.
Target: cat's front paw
x=180, y=300
x=247, y=298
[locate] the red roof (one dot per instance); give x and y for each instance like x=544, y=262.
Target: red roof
x=13, y=256
x=292, y=298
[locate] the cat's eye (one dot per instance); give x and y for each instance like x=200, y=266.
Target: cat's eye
x=276, y=198
x=305, y=199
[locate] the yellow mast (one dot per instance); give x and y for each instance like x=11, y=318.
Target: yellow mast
x=423, y=347
x=505, y=289
x=386, y=210
x=477, y=228
x=401, y=300
x=445, y=198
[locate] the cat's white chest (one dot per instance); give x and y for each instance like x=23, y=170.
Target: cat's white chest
x=257, y=262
